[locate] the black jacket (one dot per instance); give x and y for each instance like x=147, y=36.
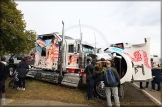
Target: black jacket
x=157, y=73
x=7, y=67
x=22, y=69
x=3, y=72
x=90, y=72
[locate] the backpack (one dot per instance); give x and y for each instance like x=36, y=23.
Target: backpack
x=109, y=78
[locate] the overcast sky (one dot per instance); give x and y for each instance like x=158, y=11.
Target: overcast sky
x=112, y=22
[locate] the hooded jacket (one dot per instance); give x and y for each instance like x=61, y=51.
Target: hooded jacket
x=156, y=71
x=89, y=70
x=22, y=67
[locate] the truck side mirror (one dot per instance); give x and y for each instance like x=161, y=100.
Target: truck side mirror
x=118, y=57
x=114, y=55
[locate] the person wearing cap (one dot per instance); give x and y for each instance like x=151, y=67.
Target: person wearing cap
x=156, y=71
x=22, y=70
x=113, y=88
x=90, y=77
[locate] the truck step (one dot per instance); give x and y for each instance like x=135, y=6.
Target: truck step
x=71, y=79
x=69, y=84
x=31, y=76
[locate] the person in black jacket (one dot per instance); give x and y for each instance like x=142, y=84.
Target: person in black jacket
x=22, y=70
x=156, y=71
x=3, y=77
x=90, y=77
x=11, y=60
x=3, y=60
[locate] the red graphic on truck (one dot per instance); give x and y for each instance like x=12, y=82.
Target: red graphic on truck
x=138, y=57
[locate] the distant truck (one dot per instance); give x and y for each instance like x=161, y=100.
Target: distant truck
x=14, y=62
x=155, y=59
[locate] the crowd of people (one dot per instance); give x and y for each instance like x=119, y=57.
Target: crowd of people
x=91, y=76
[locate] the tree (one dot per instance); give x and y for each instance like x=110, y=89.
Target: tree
x=14, y=38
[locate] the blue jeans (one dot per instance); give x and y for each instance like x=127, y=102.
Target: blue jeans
x=115, y=94
x=90, y=86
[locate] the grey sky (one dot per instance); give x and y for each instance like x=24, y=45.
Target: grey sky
x=118, y=21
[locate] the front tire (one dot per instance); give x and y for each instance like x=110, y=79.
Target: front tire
x=98, y=90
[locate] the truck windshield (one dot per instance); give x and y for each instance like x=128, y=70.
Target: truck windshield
x=88, y=49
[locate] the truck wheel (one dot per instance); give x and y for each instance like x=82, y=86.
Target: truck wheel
x=11, y=70
x=98, y=90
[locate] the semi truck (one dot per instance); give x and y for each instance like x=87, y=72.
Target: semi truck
x=61, y=59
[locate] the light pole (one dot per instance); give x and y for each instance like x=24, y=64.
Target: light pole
x=95, y=43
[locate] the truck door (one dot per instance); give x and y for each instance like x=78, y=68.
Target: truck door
x=137, y=58
x=72, y=57
x=140, y=57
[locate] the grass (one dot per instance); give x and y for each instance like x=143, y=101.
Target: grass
x=40, y=90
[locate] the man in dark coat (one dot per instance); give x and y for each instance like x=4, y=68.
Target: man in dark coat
x=90, y=77
x=156, y=71
x=3, y=73
x=3, y=77
x=22, y=70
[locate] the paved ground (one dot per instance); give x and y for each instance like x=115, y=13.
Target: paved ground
x=155, y=96
x=36, y=103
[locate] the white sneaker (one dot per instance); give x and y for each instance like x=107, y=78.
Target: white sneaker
x=23, y=89
x=18, y=88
